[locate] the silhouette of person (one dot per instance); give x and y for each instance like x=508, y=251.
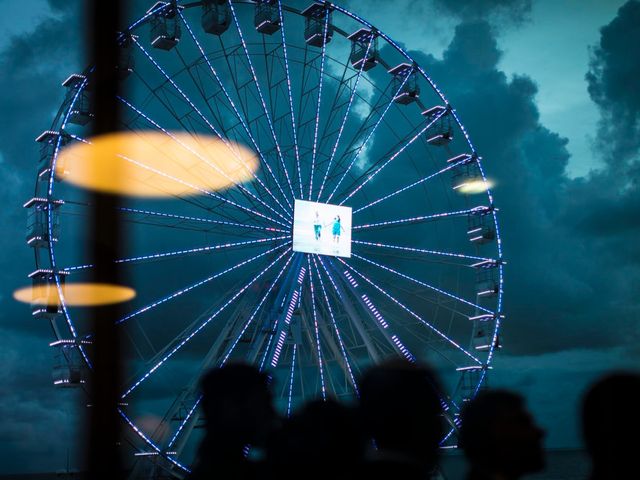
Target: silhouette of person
x=238, y=411
x=401, y=410
x=611, y=425
x=322, y=441
x=499, y=437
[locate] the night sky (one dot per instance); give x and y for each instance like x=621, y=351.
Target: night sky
x=549, y=92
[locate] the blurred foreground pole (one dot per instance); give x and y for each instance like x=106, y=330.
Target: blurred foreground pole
x=105, y=426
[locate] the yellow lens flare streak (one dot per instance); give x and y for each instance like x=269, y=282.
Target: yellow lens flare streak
x=475, y=186
x=75, y=294
x=155, y=164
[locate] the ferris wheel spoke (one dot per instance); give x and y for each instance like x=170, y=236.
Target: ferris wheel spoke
x=291, y=379
x=384, y=328
x=407, y=187
x=176, y=116
x=212, y=165
x=183, y=341
x=195, y=108
x=226, y=210
x=150, y=442
x=186, y=222
x=198, y=220
x=343, y=350
x=294, y=128
x=240, y=118
x=191, y=186
x=373, y=351
x=246, y=109
x=184, y=422
x=418, y=219
x=262, y=101
x=282, y=322
x=317, y=333
x=365, y=142
x=423, y=284
x=255, y=312
x=180, y=253
x=421, y=250
x=344, y=119
x=411, y=312
x=370, y=176
x=189, y=288
x=314, y=151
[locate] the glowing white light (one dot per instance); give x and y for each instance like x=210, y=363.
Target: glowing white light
x=472, y=186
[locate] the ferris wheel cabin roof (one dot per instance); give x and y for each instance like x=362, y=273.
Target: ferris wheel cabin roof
x=488, y=263
x=44, y=272
x=463, y=157
x=165, y=9
x=362, y=35
x=402, y=70
x=316, y=10
x=70, y=341
x=47, y=135
x=74, y=80
x=41, y=200
x=433, y=111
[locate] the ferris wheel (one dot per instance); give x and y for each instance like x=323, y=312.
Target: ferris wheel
x=359, y=238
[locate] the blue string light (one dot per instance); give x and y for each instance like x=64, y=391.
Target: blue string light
x=212, y=165
x=182, y=291
x=184, y=341
x=409, y=311
x=344, y=119
x=336, y=330
x=264, y=106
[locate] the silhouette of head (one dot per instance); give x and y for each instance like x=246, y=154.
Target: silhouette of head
x=499, y=436
x=401, y=409
x=237, y=404
x=323, y=440
x=610, y=425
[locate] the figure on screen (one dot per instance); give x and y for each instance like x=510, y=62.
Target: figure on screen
x=317, y=226
x=337, y=229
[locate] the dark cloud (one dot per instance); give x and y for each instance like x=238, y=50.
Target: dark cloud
x=607, y=203
x=516, y=11
x=615, y=67
x=612, y=80
x=605, y=206
x=33, y=65
x=561, y=290
x=39, y=423
x=62, y=5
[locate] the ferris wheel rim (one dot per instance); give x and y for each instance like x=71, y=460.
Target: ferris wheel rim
x=138, y=23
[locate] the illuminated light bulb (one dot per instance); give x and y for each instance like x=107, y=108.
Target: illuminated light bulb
x=475, y=186
x=75, y=294
x=156, y=164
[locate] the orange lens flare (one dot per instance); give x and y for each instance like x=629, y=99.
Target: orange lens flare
x=75, y=294
x=155, y=164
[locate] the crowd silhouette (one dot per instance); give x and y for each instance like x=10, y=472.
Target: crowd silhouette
x=395, y=428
